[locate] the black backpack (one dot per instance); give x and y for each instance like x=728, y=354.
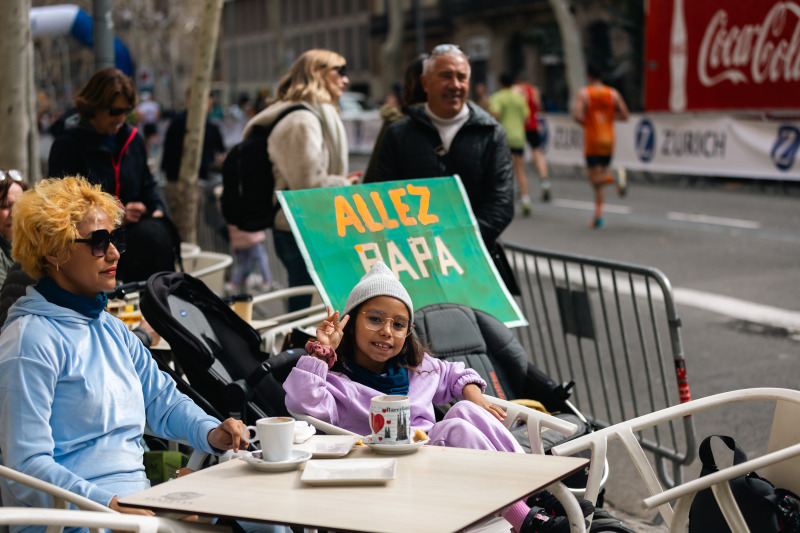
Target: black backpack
x=248, y=182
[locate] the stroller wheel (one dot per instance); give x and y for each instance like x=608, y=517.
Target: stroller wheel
x=605, y=522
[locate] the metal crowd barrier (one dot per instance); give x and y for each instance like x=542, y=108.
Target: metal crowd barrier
x=612, y=328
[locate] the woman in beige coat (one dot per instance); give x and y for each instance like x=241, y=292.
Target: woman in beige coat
x=308, y=147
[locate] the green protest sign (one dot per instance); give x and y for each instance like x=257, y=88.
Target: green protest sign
x=423, y=229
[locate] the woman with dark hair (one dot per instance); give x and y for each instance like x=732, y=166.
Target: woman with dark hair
x=308, y=148
x=11, y=188
x=101, y=146
x=412, y=94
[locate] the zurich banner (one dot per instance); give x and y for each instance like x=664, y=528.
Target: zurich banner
x=701, y=144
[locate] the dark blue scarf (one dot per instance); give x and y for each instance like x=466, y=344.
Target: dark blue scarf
x=395, y=381
x=91, y=307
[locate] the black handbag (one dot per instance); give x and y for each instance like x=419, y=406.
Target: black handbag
x=765, y=509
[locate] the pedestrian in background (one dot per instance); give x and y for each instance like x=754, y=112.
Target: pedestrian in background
x=98, y=144
x=308, y=148
x=510, y=109
x=412, y=94
x=211, y=157
x=148, y=113
x=596, y=108
x=534, y=101
x=11, y=188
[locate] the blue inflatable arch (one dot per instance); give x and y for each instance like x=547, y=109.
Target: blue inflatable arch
x=69, y=19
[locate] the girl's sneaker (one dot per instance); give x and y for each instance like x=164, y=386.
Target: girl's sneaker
x=597, y=223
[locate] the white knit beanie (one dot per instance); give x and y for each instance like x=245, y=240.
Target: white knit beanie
x=379, y=281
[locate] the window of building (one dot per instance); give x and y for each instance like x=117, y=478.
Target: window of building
x=349, y=48
x=333, y=40
x=284, y=7
x=363, y=47
x=333, y=5
x=319, y=41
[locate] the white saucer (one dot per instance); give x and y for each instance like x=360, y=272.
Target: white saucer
x=394, y=449
x=299, y=458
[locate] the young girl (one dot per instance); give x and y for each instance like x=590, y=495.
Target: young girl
x=370, y=352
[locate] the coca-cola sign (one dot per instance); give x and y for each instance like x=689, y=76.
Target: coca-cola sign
x=722, y=54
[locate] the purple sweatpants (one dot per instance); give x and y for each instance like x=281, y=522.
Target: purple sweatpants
x=466, y=425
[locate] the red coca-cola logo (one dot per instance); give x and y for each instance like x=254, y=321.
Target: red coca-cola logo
x=769, y=51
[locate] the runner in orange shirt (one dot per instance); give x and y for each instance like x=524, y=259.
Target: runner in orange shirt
x=596, y=108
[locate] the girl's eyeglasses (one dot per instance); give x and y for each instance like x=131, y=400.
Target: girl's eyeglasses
x=376, y=320
x=12, y=174
x=100, y=240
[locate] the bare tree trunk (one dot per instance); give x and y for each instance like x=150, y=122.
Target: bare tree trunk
x=15, y=47
x=573, y=47
x=186, y=218
x=34, y=165
x=392, y=67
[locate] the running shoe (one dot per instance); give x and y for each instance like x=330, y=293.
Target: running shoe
x=526, y=206
x=597, y=223
x=621, y=181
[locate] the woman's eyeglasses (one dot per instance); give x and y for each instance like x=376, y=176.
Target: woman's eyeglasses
x=100, y=240
x=376, y=320
x=117, y=111
x=342, y=70
x=15, y=175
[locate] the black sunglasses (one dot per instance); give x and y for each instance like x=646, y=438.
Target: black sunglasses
x=100, y=240
x=342, y=70
x=117, y=111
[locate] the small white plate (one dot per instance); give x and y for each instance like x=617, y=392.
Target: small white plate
x=299, y=458
x=322, y=446
x=350, y=472
x=394, y=449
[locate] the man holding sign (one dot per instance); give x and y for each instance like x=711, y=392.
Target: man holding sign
x=452, y=136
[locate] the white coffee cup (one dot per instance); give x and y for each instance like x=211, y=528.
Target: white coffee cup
x=390, y=419
x=276, y=435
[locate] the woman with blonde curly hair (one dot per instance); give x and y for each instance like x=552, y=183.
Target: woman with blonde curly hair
x=308, y=147
x=77, y=386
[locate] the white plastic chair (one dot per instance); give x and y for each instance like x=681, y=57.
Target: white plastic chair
x=57, y=519
x=210, y=267
x=536, y=422
x=780, y=465
x=62, y=499
x=283, y=324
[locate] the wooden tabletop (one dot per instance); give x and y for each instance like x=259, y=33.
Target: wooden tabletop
x=437, y=489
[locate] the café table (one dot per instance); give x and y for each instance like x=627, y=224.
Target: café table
x=436, y=489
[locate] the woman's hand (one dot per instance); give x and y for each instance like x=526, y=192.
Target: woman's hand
x=134, y=211
x=228, y=435
x=331, y=330
x=114, y=504
x=472, y=393
x=353, y=177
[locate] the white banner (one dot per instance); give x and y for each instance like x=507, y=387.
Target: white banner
x=685, y=144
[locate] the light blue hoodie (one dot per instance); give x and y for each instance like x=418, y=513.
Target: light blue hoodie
x=75, y=394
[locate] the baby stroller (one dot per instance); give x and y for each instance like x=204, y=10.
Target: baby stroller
x=456, y=332
x=217, y=355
